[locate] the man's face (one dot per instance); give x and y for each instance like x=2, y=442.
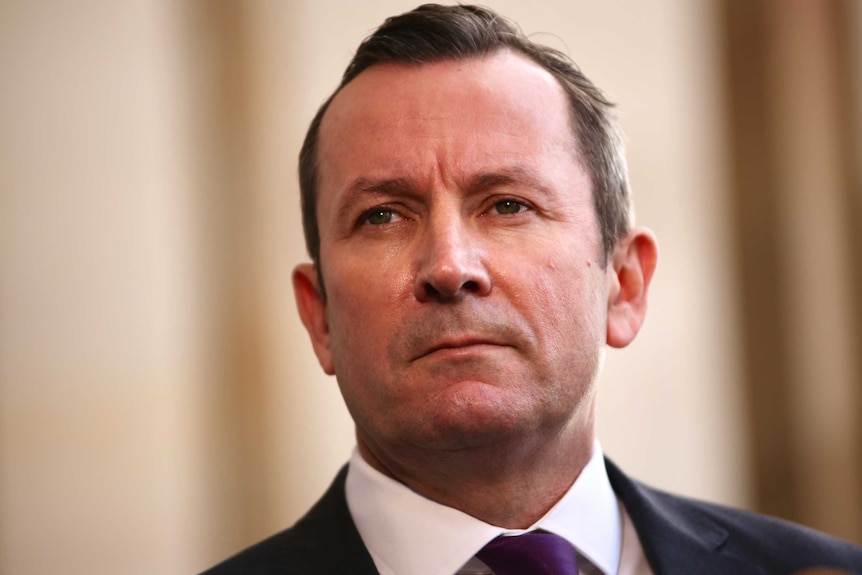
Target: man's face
x=466, y=293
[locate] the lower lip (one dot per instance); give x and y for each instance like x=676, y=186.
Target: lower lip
x=462, y=351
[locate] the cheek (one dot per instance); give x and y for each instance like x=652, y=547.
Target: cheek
x=362, y=310
x=567, y=300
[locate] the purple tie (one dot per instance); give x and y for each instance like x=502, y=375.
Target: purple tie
x=530, y=554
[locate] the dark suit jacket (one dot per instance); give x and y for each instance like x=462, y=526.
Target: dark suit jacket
x=679, y=536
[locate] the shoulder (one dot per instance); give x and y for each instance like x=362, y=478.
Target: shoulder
x=325, y=541
x=756, y=535
x=668, y=524
x=280, y=553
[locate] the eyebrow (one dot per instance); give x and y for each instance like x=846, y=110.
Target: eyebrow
x=515, y=175
x=509, y=176
x=363, y=186
x=390, y=186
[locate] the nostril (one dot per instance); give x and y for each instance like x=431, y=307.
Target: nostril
x=431, y=291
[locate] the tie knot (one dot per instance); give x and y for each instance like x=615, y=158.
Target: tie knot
x=530, y=554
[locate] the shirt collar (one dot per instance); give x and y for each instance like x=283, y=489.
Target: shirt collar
x=408, y=534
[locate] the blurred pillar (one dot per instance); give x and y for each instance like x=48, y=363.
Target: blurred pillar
x=794, y=149
x=275, y=438
x=238, y=448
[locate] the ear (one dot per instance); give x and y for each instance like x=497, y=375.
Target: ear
x=312, y=311
x=633, y=262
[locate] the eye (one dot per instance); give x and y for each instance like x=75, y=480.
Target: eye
x=380, y=217
x=506, y=207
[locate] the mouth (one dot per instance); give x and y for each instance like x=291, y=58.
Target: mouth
x=460, y=346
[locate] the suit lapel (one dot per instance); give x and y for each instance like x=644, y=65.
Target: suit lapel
x=676, y=538
x=328, y=537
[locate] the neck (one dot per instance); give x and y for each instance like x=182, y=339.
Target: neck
x=510, y=484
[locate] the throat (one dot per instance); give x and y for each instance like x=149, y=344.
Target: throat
x=506, y=486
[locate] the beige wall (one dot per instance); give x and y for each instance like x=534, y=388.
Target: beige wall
x=148, y=226
x=100, y=368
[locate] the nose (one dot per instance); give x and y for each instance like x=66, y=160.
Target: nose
x=449, y=261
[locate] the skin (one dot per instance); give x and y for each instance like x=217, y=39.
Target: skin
x=468, y=300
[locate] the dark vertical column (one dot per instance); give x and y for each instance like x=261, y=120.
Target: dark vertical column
x=791, y=86
x=758, y=252
x=237, y=426
x=848, y=50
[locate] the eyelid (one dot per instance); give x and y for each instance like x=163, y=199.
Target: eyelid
x=493, y=202
x=397, y=215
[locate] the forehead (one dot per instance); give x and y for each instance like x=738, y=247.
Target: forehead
x=506, y=73
x=498, y=104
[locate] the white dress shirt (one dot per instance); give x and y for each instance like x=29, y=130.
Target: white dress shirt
x=408, y=534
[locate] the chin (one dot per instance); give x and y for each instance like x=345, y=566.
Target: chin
x=480, y=419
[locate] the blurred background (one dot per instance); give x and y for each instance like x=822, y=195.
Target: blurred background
x=160, y=405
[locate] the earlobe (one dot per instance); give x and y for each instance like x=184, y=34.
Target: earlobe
x=633, y=262
x=312, y=311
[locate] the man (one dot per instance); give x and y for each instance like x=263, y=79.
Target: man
x=466, y=207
